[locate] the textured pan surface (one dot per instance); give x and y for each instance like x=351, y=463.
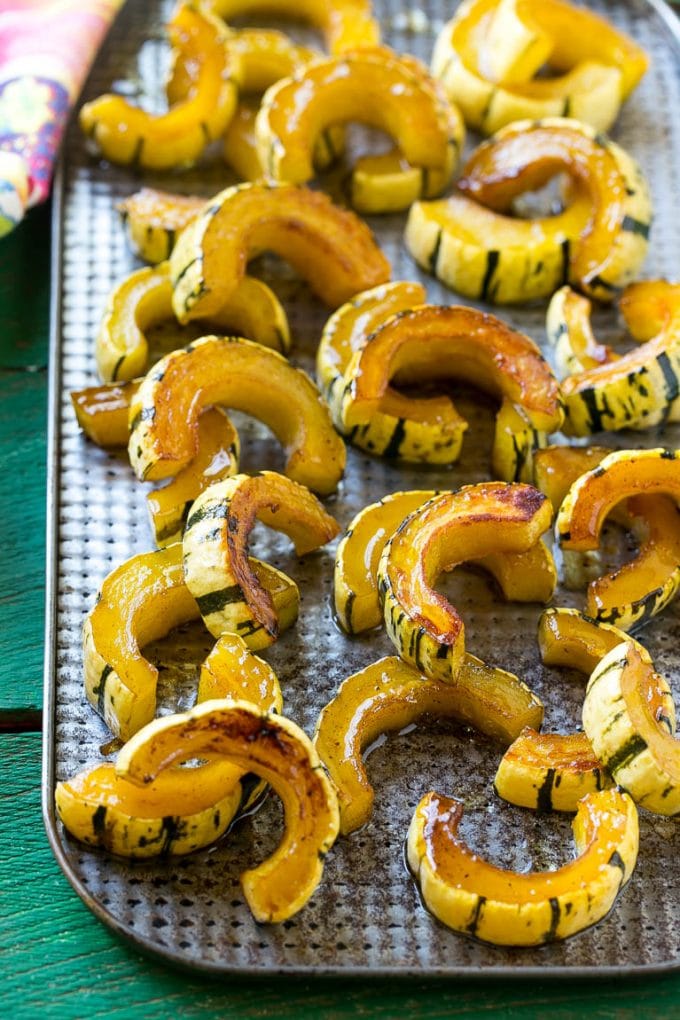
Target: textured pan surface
x=366, y=915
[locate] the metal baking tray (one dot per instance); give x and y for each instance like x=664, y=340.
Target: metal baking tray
x=366, y=916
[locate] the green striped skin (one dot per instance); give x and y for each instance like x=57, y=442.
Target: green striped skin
x=221, y=600
x=633, y=759
x=590, y=92
x=514, y=443
x=527, y=908
x=630, y=616
x=549, y=772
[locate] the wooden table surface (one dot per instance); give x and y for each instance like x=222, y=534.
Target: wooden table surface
x=55, y=958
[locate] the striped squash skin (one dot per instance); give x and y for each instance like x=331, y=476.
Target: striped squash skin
x=629, y=715
x=530, y=908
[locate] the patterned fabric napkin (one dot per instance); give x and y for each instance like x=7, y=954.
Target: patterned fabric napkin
x=46, y=48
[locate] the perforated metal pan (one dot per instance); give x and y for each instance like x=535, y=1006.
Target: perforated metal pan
x=366, y=916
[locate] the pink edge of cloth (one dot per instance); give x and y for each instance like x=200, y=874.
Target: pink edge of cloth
x=46, y=49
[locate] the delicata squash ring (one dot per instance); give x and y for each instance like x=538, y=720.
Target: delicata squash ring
x=216, y=564
x=139, y=602
x=526, y=155
x=422, y=342
x=608, y=391
x=372, y=86
x=144, y=300
x=389, y=695
x=487, y=57
x=530, y=908
x=628, y=715
x=344, y=23
x=229, y=371
x=279, y=752
x=452, y=528
x=643, y=587
x=523, y=577
x=184, y=809
x=427, y=429
x=154, y=218
x=127, y=134
x=330, y=247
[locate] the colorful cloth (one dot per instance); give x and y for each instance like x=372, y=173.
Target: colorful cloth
x=46, y=48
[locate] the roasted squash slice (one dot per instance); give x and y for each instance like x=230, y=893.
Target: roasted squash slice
x=428, y=429
x=526, y=155
x=389, y=695
x=387, y=183
x=103, y=411
x=183, y=810
x=139, y=602
x=124, y=133
x=232, y=671
x=569, y=331
x=372, y=86
x=474, y=522
x=628, y=714
x=549, y=771
x=422, y=342
x=144, y=300
x=643, y=587
x=487, y=58
x=556, y=468
x=229, y=371
x=217, y=458
x=529, y=908
x=569, y=638
x=639, y=389
x=329, y=246
x=345, y=24
x=216, y=563
x=279, y=752
x=153, y=219
x=523, y=577
x=490, y=257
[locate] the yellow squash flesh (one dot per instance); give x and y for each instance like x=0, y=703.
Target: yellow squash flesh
x=629, y=715
x=127, y=134
x=153, y=219
x=389, y=695
x=216, y=564
x=474, y=522
x=228, y=371
x=344, y=23
x=279, y=752
x=329, y=246
x=510, y=908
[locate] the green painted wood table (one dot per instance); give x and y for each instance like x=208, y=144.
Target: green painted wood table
x=56, y=960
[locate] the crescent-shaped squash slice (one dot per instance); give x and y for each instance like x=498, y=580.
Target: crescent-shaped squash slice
x=474, y=522
x=144, y=300
x=549, y=771
x=389, y=695
x=569, y=331
x=124, y=133
x=139, y=602
x=489, y=55
x=183, y=810
x=372, y=86
x=103, y=411
x=556, y=468
x=428, y=429
x=330, y=247
x=523, y=577
x=217, y=458
x=279, y=752
x=487, y=256
x=344, y=23
x=628, y=714
x=216, y=564
x=526, y=155
x=229, y=371
x=529, y=908
x=642, y=588
x=568, y=638
x=153, y=219
x=422, y=342
x=639, y=389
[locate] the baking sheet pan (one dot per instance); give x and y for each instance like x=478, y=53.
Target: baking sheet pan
x=366, y=916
